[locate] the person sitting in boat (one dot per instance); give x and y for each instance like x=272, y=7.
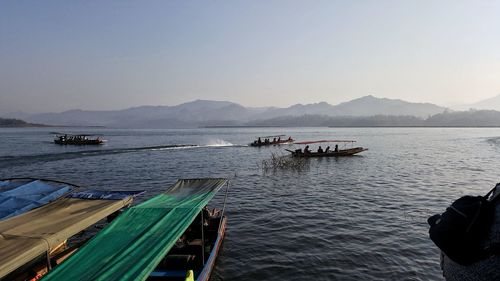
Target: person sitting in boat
x=320, y=150
x=206, y=215
x=290, y=138
x=306, y=150
x=327, y=149
x=181, y=242
x=279, y=139
x=336, y=148
x=259, y=141
x=274, y=140
x=266, y=141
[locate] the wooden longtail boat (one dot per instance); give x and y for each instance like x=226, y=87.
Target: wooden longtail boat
x=168, y=237
x=33, y=242
x=266, y=141
x=336, y=152
x=77, y=139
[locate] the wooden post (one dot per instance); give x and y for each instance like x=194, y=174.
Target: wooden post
x=202, y=239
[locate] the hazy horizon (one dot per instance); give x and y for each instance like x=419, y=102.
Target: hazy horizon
x=58, y=56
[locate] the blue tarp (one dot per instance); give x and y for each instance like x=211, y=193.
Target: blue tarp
x=17, y=197
x=104, y=195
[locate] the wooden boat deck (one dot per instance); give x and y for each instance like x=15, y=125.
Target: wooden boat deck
x=182, y=258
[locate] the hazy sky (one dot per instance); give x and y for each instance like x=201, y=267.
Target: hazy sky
x=59, y=55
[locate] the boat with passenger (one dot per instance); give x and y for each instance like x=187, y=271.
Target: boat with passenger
x=173, y=236
x=34, y=242
x=347, y=149
x=80, y=139
x=276, y=140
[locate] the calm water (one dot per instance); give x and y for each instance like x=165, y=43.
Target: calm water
x=355, y=218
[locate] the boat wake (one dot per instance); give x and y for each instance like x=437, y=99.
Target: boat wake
x=218, y=143
x=9, y=161
x=494, y=140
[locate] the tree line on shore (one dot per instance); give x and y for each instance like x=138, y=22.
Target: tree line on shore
x=11, y=122
x=471, y=118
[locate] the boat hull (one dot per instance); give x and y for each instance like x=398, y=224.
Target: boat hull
x=202, y=272
x=86, y=142
x=209, y=265
x=343, y=152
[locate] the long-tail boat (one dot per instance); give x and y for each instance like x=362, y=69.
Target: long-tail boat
x=327, y=152
x=276, y=140
x=172, y=236
x=35, y=241
x=81, y=139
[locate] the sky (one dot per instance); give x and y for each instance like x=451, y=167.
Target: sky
x=100, y=55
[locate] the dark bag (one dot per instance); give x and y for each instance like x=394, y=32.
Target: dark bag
x=460, y=230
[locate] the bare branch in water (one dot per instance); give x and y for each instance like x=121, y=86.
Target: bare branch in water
x=283, y=162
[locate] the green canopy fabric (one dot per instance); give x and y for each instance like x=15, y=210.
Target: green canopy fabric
x=135, y=242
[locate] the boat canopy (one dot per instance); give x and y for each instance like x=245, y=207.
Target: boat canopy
x=18, y=196
x=74, y=135
x=321, y=141
x=28, y=236
x=134, y=243
x=272, y=136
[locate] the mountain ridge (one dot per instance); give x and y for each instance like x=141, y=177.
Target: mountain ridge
x=201, y=112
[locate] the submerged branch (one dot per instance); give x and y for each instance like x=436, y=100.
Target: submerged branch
x=283, y=162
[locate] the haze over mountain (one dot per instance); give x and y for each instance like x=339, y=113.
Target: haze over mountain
x=207, y=113
x=488, y=104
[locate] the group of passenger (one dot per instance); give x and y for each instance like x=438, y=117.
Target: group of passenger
x=73, y=138
x=268, y=141
x=77, y=139
x=320, y=149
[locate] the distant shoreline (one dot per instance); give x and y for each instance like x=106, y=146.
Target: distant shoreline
x=30, y=125
x=33, y=125
x=18, y=123
x=215, y=127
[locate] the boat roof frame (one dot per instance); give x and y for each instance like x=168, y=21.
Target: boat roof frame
x=272, y=136
x=75, y=135
x=323, y=141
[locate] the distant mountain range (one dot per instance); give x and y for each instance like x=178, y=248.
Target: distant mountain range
x=365, y=111
x=222, y=113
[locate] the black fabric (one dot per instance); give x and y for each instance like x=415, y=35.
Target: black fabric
x=460, y=230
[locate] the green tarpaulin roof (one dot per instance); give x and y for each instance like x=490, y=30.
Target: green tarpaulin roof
x=135, y=242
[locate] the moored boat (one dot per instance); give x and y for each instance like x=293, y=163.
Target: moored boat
x=276, y=140
x=168, y=237
x=327, y=152
x=33, y=242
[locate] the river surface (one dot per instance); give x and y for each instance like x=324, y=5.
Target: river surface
x=351, y=218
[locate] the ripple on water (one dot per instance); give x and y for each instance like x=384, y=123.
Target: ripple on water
x=355, y=218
